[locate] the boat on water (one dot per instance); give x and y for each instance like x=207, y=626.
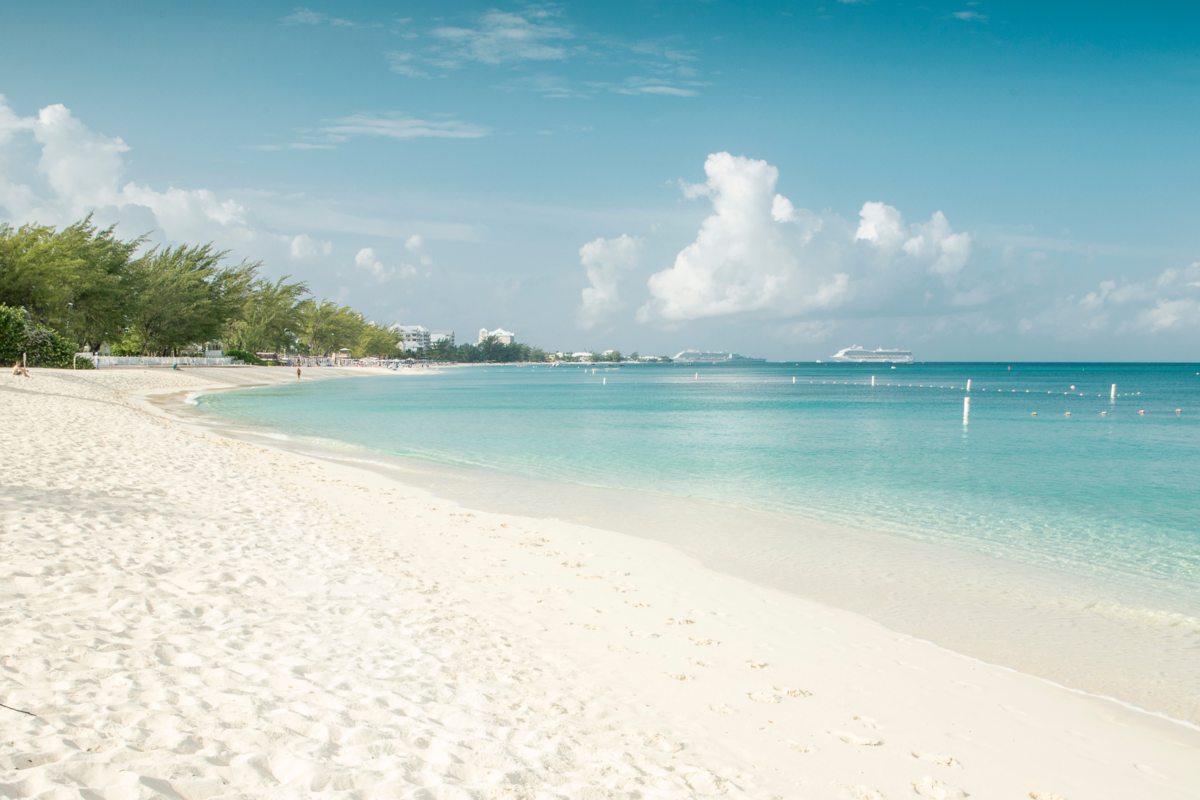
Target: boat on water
x=859, y=355
x=714, y=357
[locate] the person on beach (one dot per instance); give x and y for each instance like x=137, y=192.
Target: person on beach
x=297, y=373
x=19, y=370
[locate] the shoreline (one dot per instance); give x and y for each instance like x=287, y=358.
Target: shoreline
x=1081, y=632
x=710, y=684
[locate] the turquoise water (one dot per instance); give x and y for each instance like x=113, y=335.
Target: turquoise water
x=1114, y=496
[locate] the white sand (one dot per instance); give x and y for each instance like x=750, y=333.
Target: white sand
x=185, y=616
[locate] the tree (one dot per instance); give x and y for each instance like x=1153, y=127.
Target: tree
x=270, y=318
x=182, y=296
x=326, y=327
x=377, y=340
x=73, y=281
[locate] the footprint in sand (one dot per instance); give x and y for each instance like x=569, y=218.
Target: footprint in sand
x=699, y=662
x=934, y=758
x=616, y=648
x=763, y=697
x=572, y=564
x=680, y=676
x=868, y=722
x=702, y=641
x=643, y=635
x=720, y=708
x=937, y=790
x=663, y=743
x=802, y=748
x=756, y=664
x=862, y=792
x=854, y=738
x=1046, y=796
x=793, y=692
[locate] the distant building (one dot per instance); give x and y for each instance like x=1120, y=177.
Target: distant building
x=411, y=337
x=502, y=336
x=584, y=355
x=437, y=337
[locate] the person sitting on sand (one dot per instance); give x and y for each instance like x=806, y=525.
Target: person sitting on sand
x=19, y=370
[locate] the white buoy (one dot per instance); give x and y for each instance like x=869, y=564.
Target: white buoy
x=1114, y=392
x=604, y=381
x=872, y=380
x=697, y=376
x=966, y=409
x=793, y=380
x=968, y=384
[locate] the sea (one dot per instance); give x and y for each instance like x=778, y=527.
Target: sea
x=1051, y=524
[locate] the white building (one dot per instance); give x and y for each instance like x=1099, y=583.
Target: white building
x=411, y=337
x=437, y=337
x=502, y=336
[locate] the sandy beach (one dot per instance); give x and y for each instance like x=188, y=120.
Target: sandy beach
x=188, y=616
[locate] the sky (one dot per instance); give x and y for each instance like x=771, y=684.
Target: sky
x=968, y=179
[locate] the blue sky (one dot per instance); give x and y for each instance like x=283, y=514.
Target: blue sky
x=971, y=180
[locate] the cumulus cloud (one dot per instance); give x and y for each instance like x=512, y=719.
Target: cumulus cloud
x=415, y=245
x=605, y=260
x=80, y=171
x=757, y=252
x=1168, y=301
x=366, y=260
x=748, y=255
x=934, y=241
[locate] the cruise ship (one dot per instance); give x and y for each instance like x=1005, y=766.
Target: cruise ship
x=714, y=357
x=859, y=355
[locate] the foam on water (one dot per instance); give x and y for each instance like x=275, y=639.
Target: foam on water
x=1087, y=522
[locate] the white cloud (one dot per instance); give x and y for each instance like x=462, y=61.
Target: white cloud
x=402, y=64
x=303, y=16
x=758, y=253
x=880, y=224
x=366, y=260
x=80, y=171
x=605, y=261
x=744, y=258
x=501, y=37
x=401, y=126
x=303, y=247
x=1169, y=301
x=416, y=246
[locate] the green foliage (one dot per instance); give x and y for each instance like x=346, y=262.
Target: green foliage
x=41, y=347
x=71, y=281
x=183, y=295
x=377, y=340
x=270, y=317
x=84, y=286
x=326, y=327
x=248, y=358
x=489, y=350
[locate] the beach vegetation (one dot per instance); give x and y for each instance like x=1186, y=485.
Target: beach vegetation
x=22, y=339
x=82, y=287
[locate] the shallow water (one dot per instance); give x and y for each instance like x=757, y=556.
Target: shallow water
x=1083, y=530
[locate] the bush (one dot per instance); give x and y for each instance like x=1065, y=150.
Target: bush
x=248, y=358
x=41, y=347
